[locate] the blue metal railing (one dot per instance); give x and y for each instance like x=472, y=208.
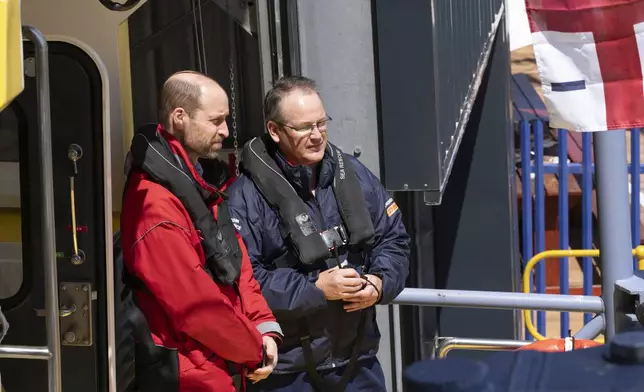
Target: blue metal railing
x=534, y=218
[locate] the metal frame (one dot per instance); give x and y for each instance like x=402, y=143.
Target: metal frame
x=52, y=351
x=435, y=196
x=500, y=300
x=593, y=328
x=614, y=219
x=262, y=20
x=445, y=345
x=621, y=287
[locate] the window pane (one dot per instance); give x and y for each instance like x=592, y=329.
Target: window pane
x=8, y=136
x=10, y=219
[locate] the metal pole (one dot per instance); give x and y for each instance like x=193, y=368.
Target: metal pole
x=24, y=352
x=614, y=218
x=47, y=202
x=593, y=328
x=448, y=344
x=500, y=300
x=262, y=19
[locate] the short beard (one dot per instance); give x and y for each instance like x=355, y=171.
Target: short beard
x=211, y=155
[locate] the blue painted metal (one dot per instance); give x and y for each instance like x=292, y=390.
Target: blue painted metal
x=531, y=117
x=540, y=218
x=587, y=215
x=564, y=242
x=635, y=189
x=577, y=168
x=526, y=201
x=534, y=235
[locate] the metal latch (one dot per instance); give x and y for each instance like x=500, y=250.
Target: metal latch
x=75, y=313
x=64, y=311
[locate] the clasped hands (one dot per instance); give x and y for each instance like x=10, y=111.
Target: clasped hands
x=336, y=284
x=347, y=285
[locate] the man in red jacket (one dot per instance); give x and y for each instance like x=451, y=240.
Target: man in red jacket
x=196, y=286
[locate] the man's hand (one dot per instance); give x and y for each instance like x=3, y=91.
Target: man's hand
x=339, y=283
x=271, y=361
x=366, y=297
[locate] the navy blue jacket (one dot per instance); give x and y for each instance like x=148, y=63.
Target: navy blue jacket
x=291, y=294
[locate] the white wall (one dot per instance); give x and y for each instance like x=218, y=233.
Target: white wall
x=96, y=26
x=336, y=44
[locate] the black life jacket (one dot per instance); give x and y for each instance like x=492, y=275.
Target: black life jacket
x=310, y=244
x=151, y=153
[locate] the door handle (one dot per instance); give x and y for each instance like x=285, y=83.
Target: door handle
x=64, y=311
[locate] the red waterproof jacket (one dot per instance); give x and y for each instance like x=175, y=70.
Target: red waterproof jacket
x=208, y=323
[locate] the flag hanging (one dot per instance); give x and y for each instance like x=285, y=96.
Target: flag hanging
x=590, y=55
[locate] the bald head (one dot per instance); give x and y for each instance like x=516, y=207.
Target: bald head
x=186, y=90
x=194, y=109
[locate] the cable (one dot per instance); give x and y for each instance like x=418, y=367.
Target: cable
x=336, y=256
x=74, y=153
x=73, y=204
x=373, y=285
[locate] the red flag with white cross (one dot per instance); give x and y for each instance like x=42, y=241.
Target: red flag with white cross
x=590, y=54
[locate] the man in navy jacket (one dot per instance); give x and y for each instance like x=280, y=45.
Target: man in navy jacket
x=327, y=313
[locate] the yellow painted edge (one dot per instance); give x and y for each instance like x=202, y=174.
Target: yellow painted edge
x=11, y=59
x=10, y=225
x=125, y=83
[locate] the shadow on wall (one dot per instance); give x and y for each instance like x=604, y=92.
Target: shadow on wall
x=522, y=62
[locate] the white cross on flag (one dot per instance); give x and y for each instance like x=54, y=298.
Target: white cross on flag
x=590, y=54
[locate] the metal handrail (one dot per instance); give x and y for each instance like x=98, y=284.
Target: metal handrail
x=52, y=351
x=499, y=300
x=559, y=253
x=445, y=345
x=24, y=352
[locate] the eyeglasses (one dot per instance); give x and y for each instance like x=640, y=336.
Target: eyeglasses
x=320, y=125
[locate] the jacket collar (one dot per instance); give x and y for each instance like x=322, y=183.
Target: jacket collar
x=299, y=175
x=195, y=170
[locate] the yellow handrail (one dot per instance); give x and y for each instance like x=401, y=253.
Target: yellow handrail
x=638, y=252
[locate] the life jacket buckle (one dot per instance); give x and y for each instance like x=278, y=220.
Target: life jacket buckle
x=334, y=236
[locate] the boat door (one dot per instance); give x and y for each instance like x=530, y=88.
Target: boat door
x=78, y=156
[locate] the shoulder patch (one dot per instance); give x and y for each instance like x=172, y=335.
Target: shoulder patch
x=391, y=206
x=236, y=223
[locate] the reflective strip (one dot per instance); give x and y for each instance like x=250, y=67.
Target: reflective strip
x=569, y=344
x=270, y=326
